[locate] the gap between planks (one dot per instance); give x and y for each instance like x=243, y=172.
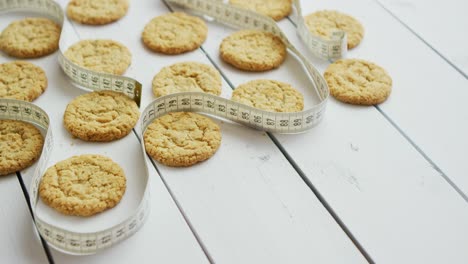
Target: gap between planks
x=422, y=39
x=291, y=162
x=287, y=156
x=44, y=244
x=284, y=152
x=395, y=125
x=303, y=177
x=179, y=207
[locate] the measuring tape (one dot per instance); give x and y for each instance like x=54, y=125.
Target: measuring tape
x=294, y=122
x=264, y=120
x=91, y=242
x=79, y=243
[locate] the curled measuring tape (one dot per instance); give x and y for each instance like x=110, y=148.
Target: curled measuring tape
x=294, y=122
x=79, y=243
x=327, y=49
x=80, y=76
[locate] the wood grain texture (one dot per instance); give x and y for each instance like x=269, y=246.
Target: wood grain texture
x=442, y=24
x=430, y=107
x=428, y=97
x=383, y=190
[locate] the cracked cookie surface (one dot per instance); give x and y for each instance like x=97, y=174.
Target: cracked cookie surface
x=21, y=80
x=187, y=77
x=253, y=50
x=100, y=55
x=30, y=38
x=276, y=9
x=174, y=33
x=83, y=185
x=182, y=139
x=96, y=12
x=269, y=95
x=20, y=145
x=101, y=116
x=359, y=82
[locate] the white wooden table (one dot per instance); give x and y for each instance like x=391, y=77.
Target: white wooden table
x=384, y=184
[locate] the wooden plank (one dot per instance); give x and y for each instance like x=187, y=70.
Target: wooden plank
x=19, y=241
x=247, y=204
x=437, y=130
x=440, y=23
x=396, y=205
x=432, y=93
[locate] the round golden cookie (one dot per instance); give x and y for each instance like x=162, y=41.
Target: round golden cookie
x=182, y=139
x=324, y=23
x=20, y=145
x=96, y=12
x=269, y=95
x=30, y=38
x=253, y=50
x=101, y=116
x=276, y=9
x=100, y=55
x=83, y=185
x=174, y=33
x=358, y=82
x=21, y=80
x=187, y=77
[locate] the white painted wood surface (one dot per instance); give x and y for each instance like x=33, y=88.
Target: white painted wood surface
x=380, y=187
x=19, y=243
x=430, y=107
x=401, y=205
x=442, y=24
x=428, y=97
x=247, y=204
